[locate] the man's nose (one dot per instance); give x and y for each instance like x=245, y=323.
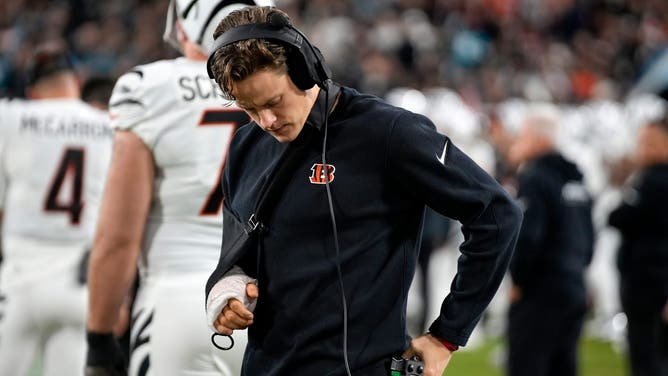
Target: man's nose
x=267, y=118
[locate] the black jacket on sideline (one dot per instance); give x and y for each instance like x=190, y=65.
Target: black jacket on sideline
x=643, y=222
x=388, y=164
x=556, y=241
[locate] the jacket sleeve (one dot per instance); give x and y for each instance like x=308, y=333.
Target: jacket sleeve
x=533, y=200
x=434, y=171
x=235, y=245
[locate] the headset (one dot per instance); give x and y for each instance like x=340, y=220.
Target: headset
x=306, y=68
x=306, y=65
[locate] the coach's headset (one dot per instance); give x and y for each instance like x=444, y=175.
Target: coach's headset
x=306, y=65
x=306, y=68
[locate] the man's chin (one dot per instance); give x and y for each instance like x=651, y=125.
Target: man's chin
x=285, y=134
x=282, y=139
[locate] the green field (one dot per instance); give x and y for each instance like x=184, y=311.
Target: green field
x=597, y=358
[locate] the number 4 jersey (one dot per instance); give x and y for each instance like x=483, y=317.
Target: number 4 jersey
x=177, y=112
x=54, y=155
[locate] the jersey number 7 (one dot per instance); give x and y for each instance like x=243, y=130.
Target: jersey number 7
x=231, y=118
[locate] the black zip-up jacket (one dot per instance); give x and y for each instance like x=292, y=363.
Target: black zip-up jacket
x=643, y=223
x=388, y=164
x=556, y=241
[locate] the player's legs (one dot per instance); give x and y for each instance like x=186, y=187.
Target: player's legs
x=643, y=333
x=140, y=331
x=65, y=352
x=528, y=343
x=65, y=347
x=176, y=334
x=182, y=336
x=19, y=337
x=43, y=296
x=564, y=361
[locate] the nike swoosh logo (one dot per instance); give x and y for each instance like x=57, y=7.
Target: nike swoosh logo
x=442, y=157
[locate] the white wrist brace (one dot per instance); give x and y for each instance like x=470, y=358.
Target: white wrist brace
x=232, y=285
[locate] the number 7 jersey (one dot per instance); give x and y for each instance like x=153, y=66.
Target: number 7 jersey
x=54, y=155
x=176, y=110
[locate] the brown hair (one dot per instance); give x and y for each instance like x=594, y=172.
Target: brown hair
x=238, y=60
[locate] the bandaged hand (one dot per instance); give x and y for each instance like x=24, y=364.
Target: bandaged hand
x=231, y=302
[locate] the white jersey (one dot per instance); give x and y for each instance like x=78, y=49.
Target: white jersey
x=54, y=156
x=177, y=112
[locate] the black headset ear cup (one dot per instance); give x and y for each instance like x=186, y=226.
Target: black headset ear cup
x=298, y=70
x=307, y=66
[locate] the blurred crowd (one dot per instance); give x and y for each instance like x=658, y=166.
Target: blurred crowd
x=489, y=50
x=106, y=37
x=486, y=50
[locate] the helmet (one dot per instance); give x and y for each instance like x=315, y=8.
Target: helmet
x=199, y=19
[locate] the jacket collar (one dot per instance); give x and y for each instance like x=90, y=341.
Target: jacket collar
x=326, y=97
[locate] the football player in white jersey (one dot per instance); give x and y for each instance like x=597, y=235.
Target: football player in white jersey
x=54, y=154
x=162, y=207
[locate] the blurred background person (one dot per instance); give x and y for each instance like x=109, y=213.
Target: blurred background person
x=643, y=255
x=501, y=140
x=162, y=208
x=54, y=154
x=548, y=297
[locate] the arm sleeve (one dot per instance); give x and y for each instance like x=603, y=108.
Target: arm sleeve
x=236, y=248
x=532, y=234
x=136, y=104
x=435, y=171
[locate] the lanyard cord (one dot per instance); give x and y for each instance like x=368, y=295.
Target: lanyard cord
x=336, y=238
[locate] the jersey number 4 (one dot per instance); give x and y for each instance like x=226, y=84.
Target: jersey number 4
x=231, y=118
x=68, y=177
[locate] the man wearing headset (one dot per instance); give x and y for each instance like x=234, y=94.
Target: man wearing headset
x=162, y=207
x=337, y=253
